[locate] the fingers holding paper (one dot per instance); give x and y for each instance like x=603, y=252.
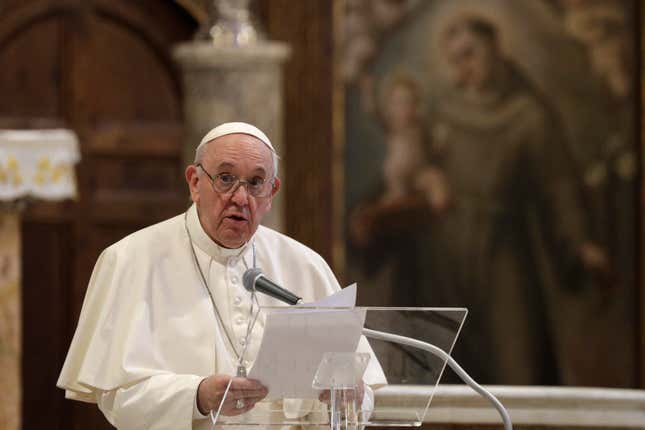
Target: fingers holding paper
x=242, y=395
x=347, y=395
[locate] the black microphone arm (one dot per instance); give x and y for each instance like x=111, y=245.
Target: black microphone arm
x=253, y=279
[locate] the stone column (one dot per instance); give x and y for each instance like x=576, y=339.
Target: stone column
x=222, y=84
x=10, y=332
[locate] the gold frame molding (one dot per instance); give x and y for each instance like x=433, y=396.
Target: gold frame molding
x=640, y=20
x=338, y=147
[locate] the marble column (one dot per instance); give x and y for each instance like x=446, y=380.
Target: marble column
x=223, y=84
x=10, y=333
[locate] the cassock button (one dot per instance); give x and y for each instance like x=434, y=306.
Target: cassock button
x=237, y=300
x=240, y=320
x=234, y=280
x=232, y=261
x=242, y=341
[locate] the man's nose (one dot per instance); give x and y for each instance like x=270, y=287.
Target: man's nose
x=240, y=195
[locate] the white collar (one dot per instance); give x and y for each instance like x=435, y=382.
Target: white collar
x=205, y=243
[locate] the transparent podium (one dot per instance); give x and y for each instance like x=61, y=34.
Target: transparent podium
x=326, y=366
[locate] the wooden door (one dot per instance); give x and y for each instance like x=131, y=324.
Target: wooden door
x=102, y=68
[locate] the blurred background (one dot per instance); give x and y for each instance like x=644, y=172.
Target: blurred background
x=484, y=154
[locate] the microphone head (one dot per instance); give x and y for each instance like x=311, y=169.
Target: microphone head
x=249, y=277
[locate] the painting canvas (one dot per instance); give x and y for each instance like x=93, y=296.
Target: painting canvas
x=490, y=162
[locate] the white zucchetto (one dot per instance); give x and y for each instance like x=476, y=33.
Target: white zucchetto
x=236, y=127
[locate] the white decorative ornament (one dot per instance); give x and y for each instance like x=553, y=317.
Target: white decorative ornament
x=38, y=164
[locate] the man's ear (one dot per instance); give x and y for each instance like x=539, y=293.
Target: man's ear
x=276, y=186
x=192, y=178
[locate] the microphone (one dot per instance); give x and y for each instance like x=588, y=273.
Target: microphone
x=254, y=280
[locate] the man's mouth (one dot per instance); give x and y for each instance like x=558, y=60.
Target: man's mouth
x=238, y=218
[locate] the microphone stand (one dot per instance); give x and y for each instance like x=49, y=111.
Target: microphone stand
x=403, y=340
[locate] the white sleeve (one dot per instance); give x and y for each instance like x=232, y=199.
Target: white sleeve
x=197, y=415
x=374, y=375
x=159, y=402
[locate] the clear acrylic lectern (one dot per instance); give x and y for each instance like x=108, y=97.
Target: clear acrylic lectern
x=347, y=385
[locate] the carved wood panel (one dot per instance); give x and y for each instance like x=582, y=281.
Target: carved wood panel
x=102, y=68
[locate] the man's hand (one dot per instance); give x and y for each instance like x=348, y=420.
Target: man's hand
x=595, y=260
x=211, y=391
x=432, y=182
x=350, y=395
x=594, y=257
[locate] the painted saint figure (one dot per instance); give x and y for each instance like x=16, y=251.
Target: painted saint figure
x=515, y=236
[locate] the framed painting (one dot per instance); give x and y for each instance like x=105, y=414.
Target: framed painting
x=489, y=159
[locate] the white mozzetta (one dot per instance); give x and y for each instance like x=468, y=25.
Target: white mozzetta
x=38, y=163
x=533, y=405
x=148, y=332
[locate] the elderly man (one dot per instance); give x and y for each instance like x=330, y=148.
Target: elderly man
x=166, y=318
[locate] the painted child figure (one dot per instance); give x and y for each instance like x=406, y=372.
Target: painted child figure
x=407, y=167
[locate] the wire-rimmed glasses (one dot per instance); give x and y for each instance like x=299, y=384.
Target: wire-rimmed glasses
x=224, y=183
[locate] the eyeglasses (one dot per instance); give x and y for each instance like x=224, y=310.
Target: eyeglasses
x=226, y=183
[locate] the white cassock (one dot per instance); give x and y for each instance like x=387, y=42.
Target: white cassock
x=148, y=334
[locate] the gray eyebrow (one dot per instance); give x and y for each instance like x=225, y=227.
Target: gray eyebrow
x=227, y=165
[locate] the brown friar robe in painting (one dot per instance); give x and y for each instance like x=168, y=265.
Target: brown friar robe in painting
x=508, y=246
x=604, y=324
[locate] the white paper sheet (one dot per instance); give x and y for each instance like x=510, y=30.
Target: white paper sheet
x=344, y=298
x=295, y=341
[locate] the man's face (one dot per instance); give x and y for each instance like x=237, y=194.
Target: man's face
x=471, y=57
x=230, y=219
